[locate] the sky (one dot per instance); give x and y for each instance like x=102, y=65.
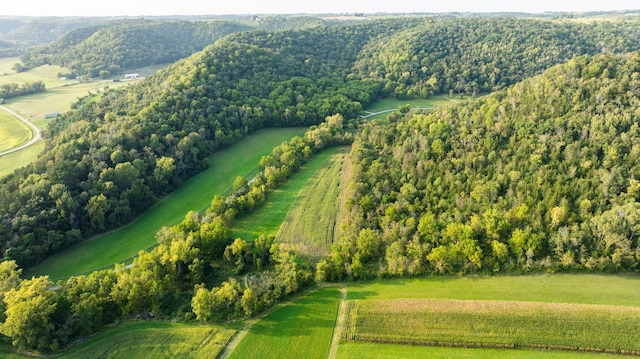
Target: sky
x=225, y=7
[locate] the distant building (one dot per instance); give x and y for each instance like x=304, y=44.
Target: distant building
x=51, y=115
x=132, y=76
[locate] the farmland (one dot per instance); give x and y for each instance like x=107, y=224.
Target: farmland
x=561, y=311
x=12, y=132
x=124, y=243
x=286, y=205
x=302, y=329
x=311, y=221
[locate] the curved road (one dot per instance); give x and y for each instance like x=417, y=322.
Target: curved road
x=34, y=129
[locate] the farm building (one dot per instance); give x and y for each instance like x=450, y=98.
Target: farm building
x=131, y=76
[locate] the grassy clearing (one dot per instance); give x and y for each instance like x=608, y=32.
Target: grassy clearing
x=154, y=340
x=311, y=220
x=302, y=329
x=558, y=288
x=498, y=323
x=124, y=243
x=12, y=132
x=390, y=104
x=268, y=218
x=6, y=63
x=19, y=159
x=360, y=350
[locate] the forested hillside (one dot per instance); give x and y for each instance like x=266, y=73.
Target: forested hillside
x=484, y=54
x=543, y=175
x=110, y=48
x=112, y=158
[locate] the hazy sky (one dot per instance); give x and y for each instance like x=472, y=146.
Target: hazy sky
x=214, y=7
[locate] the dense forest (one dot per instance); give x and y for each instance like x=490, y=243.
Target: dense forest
x=134, y=145
x=107, y=49
x=539, y=175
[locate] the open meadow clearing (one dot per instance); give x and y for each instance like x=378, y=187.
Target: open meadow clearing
x=12, y=161
x=267, y=218
x=122, y=244
x=12, y=131
x=380, y=109
x=311, y=220
x=154, y=340
x=301, y=329
x=562, y=311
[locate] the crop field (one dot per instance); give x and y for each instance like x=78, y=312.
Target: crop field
x=154, y=340
x=302, y=329
x=268, y=218
x=12, y=132
x=311, y=220
x=123, y=244
x=557, y=311
x=497, y=324
x=18, y=159
x=364, y=350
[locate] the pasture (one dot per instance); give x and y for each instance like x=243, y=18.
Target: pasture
x=12, y=131
x=311, y=220
x=154, y=339
x=19, y=159
x=301, y=329
x=123, y=244
x=268, y=217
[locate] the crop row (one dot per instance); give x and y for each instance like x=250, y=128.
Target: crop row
x=500, y=324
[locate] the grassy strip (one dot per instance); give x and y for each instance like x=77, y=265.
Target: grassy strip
x=302, y=329
x=501, y=324
x=267, y=218
x=311, y=220
x=155, y=340
x=560, y=288
x=363, y=350
x=123, y=244
x=19, y=159
x=12, y=132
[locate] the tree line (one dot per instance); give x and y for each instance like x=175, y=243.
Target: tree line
x=10, y=90
x=195, y=272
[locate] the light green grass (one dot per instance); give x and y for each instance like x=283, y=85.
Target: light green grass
x=154, y=340
x=19, y=159
x=558, y=288
x=267, y=218
x=357, y=350
x=497, y=323
x=390, y=104
x=12, y=131
x=121, y=245
x=6, y=63
x=311, y=220
x=302, y=329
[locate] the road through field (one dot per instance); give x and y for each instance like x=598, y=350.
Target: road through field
x=36, y=131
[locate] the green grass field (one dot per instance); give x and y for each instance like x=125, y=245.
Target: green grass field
x=267, y=218
x=311, y=220
x=12, y=132
x=154, y=340
x=359, y=350
x=390, y=104
x=302, y=329
x=572, y=310
x=121, y=245
x=6, y=63
x=18, y=159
